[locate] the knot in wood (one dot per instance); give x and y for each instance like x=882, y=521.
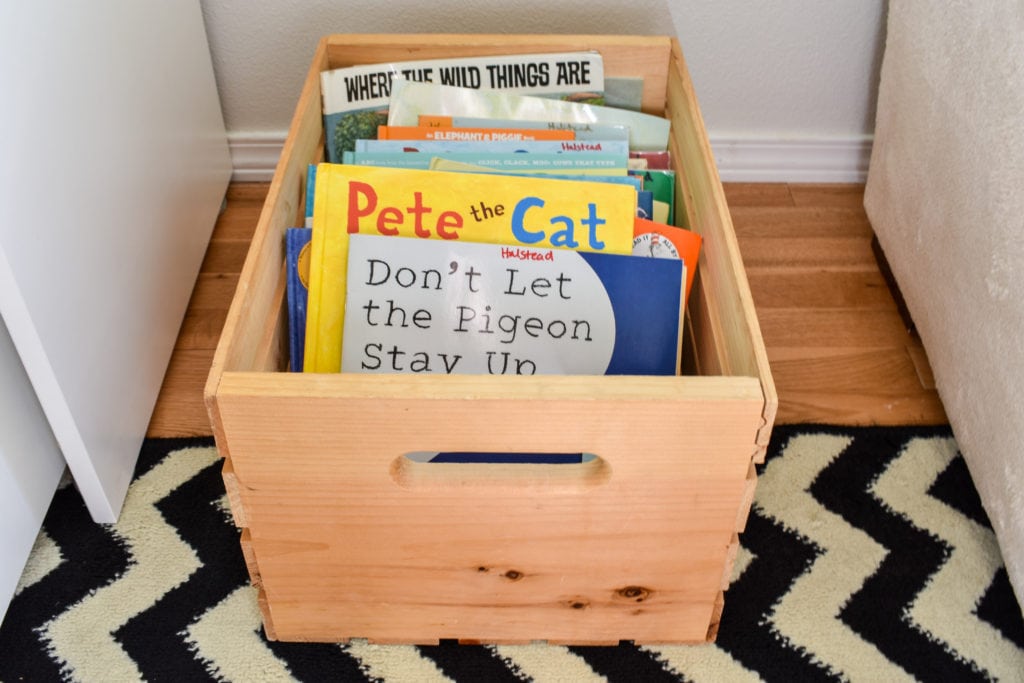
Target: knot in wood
x=634, y=593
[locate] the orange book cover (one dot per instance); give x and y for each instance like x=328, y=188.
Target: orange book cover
x=668, y=241
x=473, y=134
x=475, y=207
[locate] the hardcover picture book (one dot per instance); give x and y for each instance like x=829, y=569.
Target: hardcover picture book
x=579, y=162
x=473, y=134
x=467, y=308
x=356, y=98
x=658, y=240
x=409, y=100
x=437, y=205
x=581, y=131
x=618, y=148
x=297, y=291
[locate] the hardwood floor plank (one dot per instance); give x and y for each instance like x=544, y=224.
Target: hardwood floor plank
x=860, y=408
x=774, y=221
x=180, y=410
x=849, y=195
x=806, y=252
x=213, y=290
x=201, y=329
x=225, y=256
x=882, y=371
x=815, y=328
x=240, y=223
x=757, y=194
x=818, y=288
x=248, y=192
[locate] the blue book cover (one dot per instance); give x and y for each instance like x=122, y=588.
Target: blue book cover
x=509, y=458
x=453, y=307
x=297, y=284
x=661, y=184
x=645, y=204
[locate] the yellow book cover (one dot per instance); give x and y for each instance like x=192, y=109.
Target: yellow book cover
x=498, y=209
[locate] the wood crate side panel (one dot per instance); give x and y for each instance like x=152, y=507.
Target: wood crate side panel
x=716, y=619
x=256, y=300
x=710, y=438
x=268, y=617
x=635, y=552
x=730, y=314
x=254, y=335
x=708, y=355
x=234, y=493
x=249, y=555
x=749, y=491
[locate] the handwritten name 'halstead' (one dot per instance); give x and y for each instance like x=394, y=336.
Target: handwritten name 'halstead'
x=512, y=253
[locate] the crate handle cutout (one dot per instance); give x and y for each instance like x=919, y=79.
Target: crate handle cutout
x=566, y=471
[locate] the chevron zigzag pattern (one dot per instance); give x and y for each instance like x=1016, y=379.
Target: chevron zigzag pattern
x=867, y=557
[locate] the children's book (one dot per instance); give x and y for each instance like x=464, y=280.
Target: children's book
x=630, y=180
x=659, y=240
x=662, y=185
x=582, y=131
x=644, y=198
x=645, y=204
x=435, y=205
x=297, y=291
x=661, y=160
x=410, y=99
x=310, y=190
x=356, y=98
x=577, y=162
x=624, y=92
x=473, y=134
x=454, y=307
x=619, y=148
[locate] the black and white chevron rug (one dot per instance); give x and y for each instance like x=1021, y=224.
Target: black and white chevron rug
x=867, y=557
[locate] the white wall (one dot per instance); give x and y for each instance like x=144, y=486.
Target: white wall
x=787, y=87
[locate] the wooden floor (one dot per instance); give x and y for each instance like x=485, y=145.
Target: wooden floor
x=839, y=350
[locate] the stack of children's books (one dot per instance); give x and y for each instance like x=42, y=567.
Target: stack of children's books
x=498, y=215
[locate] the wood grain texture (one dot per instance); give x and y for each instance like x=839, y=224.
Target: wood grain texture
x=339, y=519
x=839, y=349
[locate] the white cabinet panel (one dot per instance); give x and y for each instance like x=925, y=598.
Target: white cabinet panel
x=30, y=467
x=113, y=168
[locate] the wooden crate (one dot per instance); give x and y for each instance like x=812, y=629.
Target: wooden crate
x=345, y=537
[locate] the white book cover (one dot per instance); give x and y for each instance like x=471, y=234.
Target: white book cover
x=455, y=307
x=356, y=98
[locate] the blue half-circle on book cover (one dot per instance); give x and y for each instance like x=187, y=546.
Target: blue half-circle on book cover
x=453, y=307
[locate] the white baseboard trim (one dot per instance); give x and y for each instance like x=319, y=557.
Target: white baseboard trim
x=767, y=160
x=757, y=160
x=254, y=155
